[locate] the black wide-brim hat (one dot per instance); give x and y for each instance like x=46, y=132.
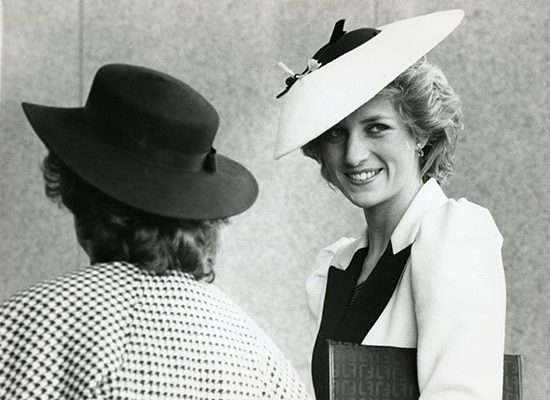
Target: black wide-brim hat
x=145, y=139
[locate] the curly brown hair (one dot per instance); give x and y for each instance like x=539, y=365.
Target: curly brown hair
x=114, y=231
x=432, y=111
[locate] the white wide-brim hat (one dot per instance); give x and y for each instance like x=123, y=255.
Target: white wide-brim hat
x=323, y=95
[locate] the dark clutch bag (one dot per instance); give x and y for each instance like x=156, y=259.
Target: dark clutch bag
x=389, y=373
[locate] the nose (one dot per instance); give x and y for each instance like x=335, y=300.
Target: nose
x=357, y=149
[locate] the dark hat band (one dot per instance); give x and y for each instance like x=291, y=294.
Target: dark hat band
x=116, y=130
x=340, y=43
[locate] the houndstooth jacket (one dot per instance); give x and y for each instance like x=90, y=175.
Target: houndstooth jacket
x=114, y=331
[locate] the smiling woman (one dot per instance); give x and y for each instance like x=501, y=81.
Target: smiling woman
x=381, y=153
x=427, y=271
x=428, y=108
x=369, y=156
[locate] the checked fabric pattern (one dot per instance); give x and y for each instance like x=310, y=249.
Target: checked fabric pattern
x=113, y=331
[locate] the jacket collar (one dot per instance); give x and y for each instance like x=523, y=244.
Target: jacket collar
x=429, y=197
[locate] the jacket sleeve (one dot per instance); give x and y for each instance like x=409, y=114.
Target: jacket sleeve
x=281, y=380
x=460, y=300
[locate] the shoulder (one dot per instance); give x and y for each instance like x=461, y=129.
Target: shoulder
x=459, y=222
x=72, y=300
x=74, y=321
x=229, y=317
x=458, y=241
x=73, y=287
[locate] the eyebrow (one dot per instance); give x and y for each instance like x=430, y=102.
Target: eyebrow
x=374, y=117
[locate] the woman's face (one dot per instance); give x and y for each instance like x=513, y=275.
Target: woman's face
x=370, y=156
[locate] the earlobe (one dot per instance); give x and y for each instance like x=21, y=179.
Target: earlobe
x=419, y=150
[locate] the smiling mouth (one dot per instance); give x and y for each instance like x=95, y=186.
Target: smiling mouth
x=362, y=176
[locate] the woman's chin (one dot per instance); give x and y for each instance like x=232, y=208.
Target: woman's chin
x=362, y=200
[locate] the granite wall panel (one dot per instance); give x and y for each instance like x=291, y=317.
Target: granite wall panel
x=39, y=64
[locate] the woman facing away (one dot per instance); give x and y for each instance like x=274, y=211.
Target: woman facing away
x=427, y=271
x=148, y=193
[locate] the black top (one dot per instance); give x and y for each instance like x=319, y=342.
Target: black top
x=347, y=321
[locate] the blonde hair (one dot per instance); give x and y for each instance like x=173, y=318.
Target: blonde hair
x=430, y=108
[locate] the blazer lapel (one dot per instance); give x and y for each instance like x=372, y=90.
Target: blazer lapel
x=340, y=284
x=374, y=296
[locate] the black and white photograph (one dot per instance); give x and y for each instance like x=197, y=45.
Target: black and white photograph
x=274, y=199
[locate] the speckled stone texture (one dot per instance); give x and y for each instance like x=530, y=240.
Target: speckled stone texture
x=228, y=50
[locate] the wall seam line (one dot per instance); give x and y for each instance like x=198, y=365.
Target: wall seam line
x=81, y=50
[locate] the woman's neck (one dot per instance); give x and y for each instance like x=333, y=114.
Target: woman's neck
x=383, y=218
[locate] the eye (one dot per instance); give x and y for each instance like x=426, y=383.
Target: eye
x=376, y=129
x=335, y=134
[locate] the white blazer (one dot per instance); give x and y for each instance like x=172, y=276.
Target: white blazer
x=450, y=301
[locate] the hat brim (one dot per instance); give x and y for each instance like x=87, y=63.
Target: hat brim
x=228, y=191
x=327, y=95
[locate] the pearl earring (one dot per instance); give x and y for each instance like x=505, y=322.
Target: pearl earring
x=419, y=151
